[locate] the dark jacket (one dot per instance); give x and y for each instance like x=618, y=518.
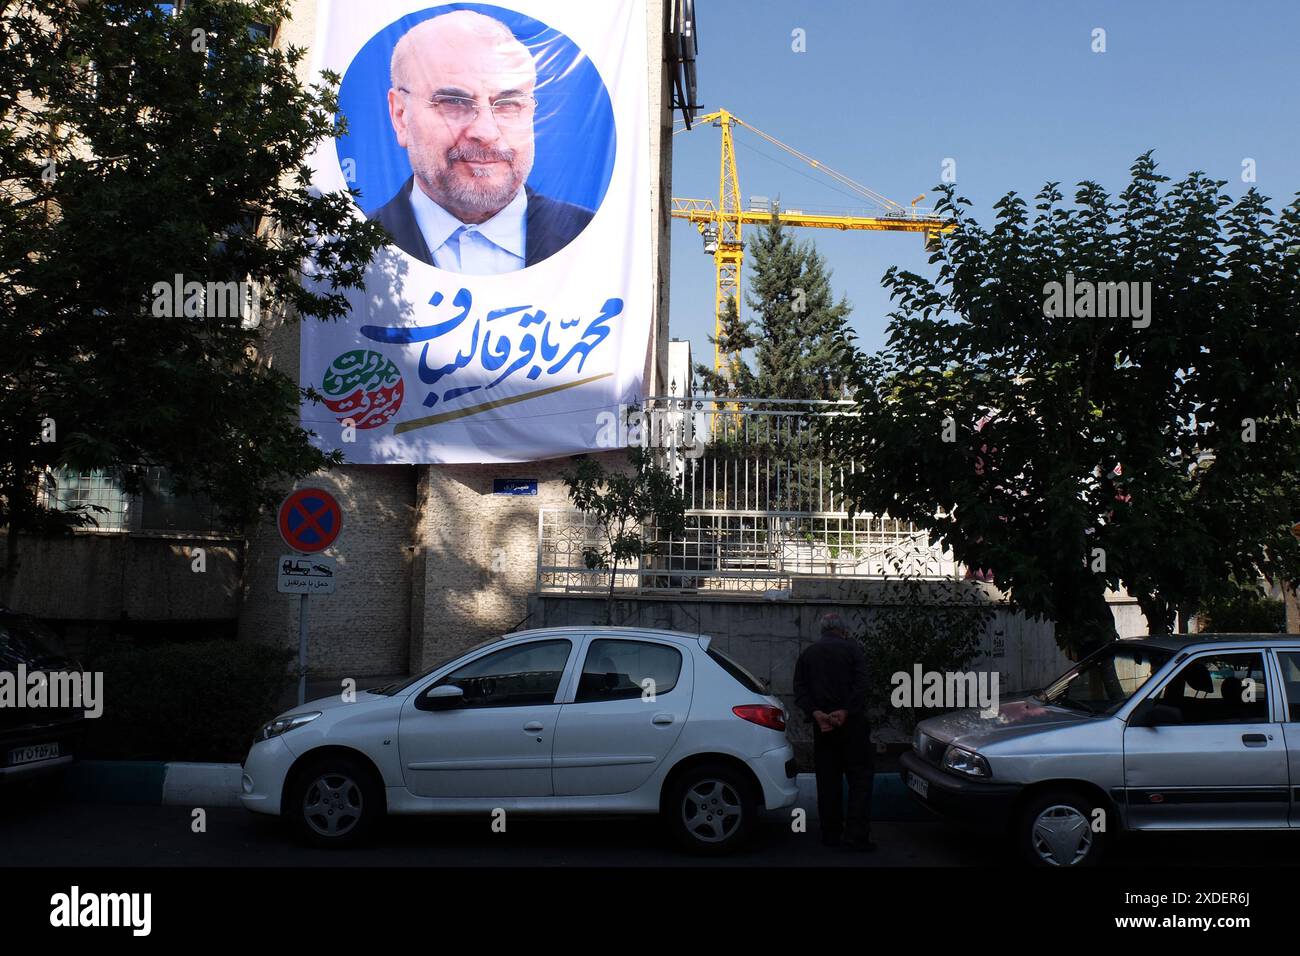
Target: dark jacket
x=549, y=225
x=832, y=675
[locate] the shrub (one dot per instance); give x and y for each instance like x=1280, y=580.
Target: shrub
x=937, y=624
x=1247, y=611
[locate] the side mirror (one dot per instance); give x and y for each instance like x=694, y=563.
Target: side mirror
x=1156, y=715
x=444, y=697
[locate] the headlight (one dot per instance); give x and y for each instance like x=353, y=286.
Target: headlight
x=966, y=762
x=282, y=724
x=918, y=742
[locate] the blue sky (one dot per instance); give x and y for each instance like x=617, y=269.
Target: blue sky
x=1010, y=89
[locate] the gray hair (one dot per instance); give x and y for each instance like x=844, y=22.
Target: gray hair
x=832, y=623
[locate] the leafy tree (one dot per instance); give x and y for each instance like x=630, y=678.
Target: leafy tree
x=1243, y=610
x=623, y=503
x=1074, y=451
x=797, y=335
x=137, y=146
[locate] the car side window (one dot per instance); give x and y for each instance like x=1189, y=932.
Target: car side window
x=620, y=670
x=514, y=676
x=1219, y=689
x=1290, y=661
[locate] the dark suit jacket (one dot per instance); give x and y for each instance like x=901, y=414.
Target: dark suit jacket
x=549, y=225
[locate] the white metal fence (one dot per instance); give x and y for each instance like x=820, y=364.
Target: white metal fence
x=762, y=509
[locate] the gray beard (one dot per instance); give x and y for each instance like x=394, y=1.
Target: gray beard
x=480, y=198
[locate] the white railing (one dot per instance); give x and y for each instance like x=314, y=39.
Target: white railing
x=730, y=551
x=762, y=509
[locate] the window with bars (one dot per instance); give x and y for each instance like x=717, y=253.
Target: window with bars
x=96, y=492
x=158, y=506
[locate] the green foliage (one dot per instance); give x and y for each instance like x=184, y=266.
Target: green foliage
x=735, y=338
x=1066, y=454
x=798, y=333
x=939, y=625
x=136, y=146
x=1243, y=611
x=193, y=701
x=622, y=503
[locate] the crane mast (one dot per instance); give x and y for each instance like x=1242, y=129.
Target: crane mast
x=721, y=224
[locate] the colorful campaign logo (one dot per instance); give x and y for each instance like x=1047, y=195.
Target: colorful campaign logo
x=364, y=387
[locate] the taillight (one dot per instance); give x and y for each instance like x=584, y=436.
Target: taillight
x=763, y=714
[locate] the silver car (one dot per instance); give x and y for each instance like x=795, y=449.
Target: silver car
x=1188, y=732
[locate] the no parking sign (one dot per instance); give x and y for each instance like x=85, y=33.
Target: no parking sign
x=310, y=520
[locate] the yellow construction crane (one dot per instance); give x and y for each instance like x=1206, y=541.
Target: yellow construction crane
x=720, y=224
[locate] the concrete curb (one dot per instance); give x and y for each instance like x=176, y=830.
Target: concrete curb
x=218, y=785
x=202, y=784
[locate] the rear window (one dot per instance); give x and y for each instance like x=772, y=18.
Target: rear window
x=738, y=671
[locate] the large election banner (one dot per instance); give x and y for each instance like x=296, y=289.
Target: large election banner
x=505, y=148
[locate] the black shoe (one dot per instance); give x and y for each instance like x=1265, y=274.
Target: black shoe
x=831, y=841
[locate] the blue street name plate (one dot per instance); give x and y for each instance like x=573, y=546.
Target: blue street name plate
x=514, y=486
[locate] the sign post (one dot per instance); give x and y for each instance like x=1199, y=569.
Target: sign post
x=309, y=522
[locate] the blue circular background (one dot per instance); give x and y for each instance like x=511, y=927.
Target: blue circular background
x=574, y=127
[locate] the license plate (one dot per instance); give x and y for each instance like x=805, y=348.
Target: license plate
x=918, y=784
x=33, y=754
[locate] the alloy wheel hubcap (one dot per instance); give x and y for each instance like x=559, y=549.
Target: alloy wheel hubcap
x=1061, y=835
x=712, y=811
x=332, y=805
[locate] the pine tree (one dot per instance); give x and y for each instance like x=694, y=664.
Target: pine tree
x=735, y=338
x=798, y=329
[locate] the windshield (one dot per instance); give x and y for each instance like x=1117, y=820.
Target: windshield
x=1101, y=683
x=26, y=643
x=398, y=686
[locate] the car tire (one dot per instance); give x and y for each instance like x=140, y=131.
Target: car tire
x=1055, y=828
x=334, y=801
x=710, y=809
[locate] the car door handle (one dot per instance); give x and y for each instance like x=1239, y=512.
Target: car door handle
x=663, y=719
x=533, y=726
x=1254, y=740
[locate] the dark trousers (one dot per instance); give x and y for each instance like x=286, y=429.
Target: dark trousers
x=844, y=752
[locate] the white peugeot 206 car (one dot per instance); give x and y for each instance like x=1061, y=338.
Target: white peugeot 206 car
x=583, y=720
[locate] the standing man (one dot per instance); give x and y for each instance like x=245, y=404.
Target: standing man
x=830, y=687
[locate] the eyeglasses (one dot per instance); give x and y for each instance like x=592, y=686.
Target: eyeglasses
x=462, y=111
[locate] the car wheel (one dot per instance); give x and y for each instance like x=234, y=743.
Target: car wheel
x=711, y=809
x=334, y=801
x=1056, y=829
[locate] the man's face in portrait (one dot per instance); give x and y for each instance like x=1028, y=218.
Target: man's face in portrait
x=462, y=106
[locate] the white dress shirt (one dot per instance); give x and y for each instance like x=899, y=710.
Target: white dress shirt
x=488, y=248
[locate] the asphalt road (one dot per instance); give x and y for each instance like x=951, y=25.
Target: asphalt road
x=66, y=833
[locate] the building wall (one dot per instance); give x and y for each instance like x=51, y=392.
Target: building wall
x=115, y=577
x=430, y=560
x=363, y=629
x=477, y=552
